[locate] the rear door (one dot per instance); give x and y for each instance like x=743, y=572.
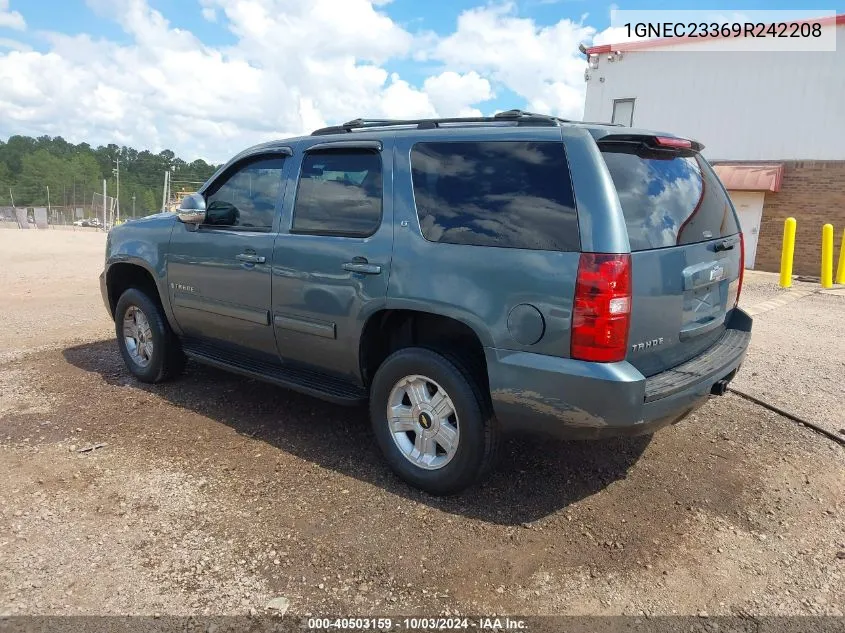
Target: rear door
x=331, y=266
x=685, y=251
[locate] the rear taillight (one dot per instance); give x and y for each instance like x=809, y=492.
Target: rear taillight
x=602, y=313
x=741, y=266
x=735, y=287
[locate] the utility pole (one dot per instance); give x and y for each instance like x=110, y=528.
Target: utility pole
x=117, y=197
x=133, y=206
x=170, y=184
x=11, y=197
x=104, y=204
x=164, y=191
x=48, y=200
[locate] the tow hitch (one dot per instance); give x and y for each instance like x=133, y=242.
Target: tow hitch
x=721, y=386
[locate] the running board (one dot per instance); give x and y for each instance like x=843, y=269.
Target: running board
x=297, y=378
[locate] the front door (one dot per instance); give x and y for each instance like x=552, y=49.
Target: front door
x=218, y=273
x=749, y=208
x=330, y=269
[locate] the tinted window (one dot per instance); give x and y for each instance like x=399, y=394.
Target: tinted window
x=512, y=194
x=339, y=193
x=248, y=197
x=668, y=200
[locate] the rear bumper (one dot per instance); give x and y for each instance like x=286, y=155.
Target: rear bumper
x=576, y=399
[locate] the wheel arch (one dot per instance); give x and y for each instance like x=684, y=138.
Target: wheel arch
x=390, y=329
x=131, y=273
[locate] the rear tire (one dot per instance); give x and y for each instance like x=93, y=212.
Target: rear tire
x=149, y=347
x=441, y=435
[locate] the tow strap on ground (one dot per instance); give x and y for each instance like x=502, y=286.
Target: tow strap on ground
x=791, y=416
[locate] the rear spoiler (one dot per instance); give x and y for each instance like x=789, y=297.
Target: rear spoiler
x=654, y=141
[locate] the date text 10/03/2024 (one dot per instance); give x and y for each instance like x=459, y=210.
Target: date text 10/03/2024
x=416, y=624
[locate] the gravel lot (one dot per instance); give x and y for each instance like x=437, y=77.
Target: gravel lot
x=797, y=358
x=51, y=274
x=214, y=494
x=759, y=287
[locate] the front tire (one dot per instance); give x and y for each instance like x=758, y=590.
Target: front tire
x=432, y=421
x=149, y=347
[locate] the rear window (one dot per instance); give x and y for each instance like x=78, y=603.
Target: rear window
x=511, y=194
x=668, y=199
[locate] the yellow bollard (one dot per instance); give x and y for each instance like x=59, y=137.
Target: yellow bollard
x=787, y=252
x=840, y=268
x=827, y=256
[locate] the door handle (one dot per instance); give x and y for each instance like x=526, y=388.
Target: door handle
x=724, y=245
x=361, y=265
x=251, y=259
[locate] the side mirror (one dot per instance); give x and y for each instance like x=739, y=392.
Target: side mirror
x=192, y=209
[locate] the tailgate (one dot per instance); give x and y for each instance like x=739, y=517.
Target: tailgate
x=685, y=252
x=681, y=299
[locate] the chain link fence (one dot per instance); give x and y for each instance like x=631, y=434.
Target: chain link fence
x=100, y=214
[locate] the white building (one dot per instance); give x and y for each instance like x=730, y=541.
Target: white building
x=773, y=124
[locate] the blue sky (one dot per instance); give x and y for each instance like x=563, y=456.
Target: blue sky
x=75, y=16
x=113, y=70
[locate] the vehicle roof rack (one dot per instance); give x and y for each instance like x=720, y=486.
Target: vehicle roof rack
x=519, y=117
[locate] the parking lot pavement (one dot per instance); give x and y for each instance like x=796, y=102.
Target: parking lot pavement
x=797, y=356
x=214, y=494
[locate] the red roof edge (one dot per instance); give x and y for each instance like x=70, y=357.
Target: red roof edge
x=750, y=176
x=839, y=20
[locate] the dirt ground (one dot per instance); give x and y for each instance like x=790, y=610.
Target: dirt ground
x=50, y=289
x=797, y=358
x=214, y=494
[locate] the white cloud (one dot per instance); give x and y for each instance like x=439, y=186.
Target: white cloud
x=6, y=42
x=321, y=28
x=401, y=101
x=11, y=19
x=452, y=94
x=540, y=63
x=294, y=66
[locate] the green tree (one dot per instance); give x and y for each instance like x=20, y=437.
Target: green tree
x=149, y=203
x=5, y=178
x=74, y=173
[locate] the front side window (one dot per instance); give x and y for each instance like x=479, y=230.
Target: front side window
x=339, y=193
x=511, y=194
x=247, y=198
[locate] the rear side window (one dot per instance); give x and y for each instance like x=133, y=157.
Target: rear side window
x=512, y=194
x=668, y=199
x=340, y=193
